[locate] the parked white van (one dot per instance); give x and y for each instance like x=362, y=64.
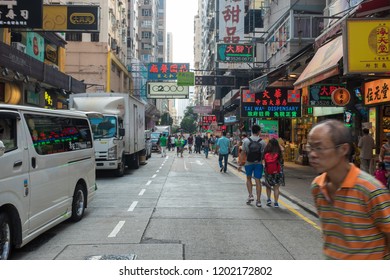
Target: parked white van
x=47, y=171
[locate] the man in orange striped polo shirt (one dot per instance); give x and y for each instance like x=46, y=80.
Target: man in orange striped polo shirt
x=354, y=208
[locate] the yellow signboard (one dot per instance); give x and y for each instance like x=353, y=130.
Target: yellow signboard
x=368, y=46
x=376, y=92
x=70, y=18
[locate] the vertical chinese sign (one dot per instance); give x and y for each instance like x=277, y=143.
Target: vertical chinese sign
x=274, y=102
x=231, y=21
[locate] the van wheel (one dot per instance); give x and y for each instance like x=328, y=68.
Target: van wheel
x=120, y=171
x=5, y=237
x=78, y=204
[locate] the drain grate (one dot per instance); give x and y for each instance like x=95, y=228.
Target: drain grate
x=113, y=257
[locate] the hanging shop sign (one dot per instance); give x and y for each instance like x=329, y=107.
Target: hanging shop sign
x=166, y=71
x=216, y=80
x=185, y=78
x=35, y=46
x=231, y=20
x=235, y=53
x=321, y=95
x=368, y=46
x=167, y=90
x=269, y=128
x=341, y=96
x=21, y=13
x=271, y=103
x=376, y=92
x=209, y=119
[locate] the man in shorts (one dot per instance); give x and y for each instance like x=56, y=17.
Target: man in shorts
x=255, y=168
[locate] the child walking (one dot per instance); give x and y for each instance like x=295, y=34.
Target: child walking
x=381, y=173
x=272, y=158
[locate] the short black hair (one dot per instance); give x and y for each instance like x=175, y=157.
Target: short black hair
x=366, y=131
x=255, y=128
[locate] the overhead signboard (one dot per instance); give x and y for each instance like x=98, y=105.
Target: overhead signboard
x=62, y=18
x=274, y=102
x=215, y=81
x=166, y=71
x=185, y=78
x=21, y=13
x=199, y=109
x=367, y=46
x=167, y=90
x=376, y=92
x=235, y=53
x=320, y=95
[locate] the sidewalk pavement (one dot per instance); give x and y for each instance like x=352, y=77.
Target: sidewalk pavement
x=298, y=180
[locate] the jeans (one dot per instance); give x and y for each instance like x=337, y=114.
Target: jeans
x=206, y=151
x=225, y=161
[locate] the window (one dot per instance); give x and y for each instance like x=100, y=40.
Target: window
x=8, y=131
x=94, y=37
x=56, y=134
x=146, y=2
x=146, y=12
x=74, y=36
x=146, y=35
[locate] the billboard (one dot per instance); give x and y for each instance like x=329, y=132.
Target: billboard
x=167, y=90
x=231, y=20
x=166, y=71
x=71, y=18
x=235, y=52
x=367, y=46
x=21, y=13
x=275, y=102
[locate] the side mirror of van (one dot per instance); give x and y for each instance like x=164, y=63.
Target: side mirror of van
x=2, y=148
x=121, y=132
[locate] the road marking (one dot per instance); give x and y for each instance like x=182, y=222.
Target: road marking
x=132, y=206
x=185, y=166
x=306, y=219
x=116, y=229
x=142, y=192
x=157, y=171
x=148, y=183
x=154, y=176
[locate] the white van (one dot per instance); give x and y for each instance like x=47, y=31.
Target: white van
x=47, y=171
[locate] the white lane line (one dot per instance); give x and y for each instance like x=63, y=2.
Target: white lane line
x=185, y=166
x=148, y=183
x=160, y=167
x=142, y=192
x=132, y=206
x=116, y=229
x=157, y=171
x=154, y=176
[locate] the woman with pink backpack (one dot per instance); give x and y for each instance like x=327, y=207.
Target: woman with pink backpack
x=273, y=159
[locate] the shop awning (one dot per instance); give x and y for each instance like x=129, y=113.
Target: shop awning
x=323, y=65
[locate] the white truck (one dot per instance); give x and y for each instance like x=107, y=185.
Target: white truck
x=163, y=129
x=119, y=136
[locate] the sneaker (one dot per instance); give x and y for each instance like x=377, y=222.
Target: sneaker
x=276, y=205
x=221, y=169
x=250, y=198
x=258, y=203
x=269, y=202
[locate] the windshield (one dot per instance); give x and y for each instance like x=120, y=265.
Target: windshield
x=103, y=127
x=155, y=135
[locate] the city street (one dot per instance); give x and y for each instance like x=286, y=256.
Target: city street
x=185, y=209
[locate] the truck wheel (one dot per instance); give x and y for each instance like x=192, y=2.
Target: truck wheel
x=5, y=237
x=120, y=171
x=78, y=203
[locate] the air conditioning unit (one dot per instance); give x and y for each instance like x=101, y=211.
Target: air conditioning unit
x=19, y=46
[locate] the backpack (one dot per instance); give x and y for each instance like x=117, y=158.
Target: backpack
x=254, y=153
x=272, y=164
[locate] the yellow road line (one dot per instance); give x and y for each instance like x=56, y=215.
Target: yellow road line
x=288, y=207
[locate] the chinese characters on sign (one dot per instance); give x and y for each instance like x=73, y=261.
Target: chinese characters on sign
x=320, y=95
x=271, y=103
x=166, y=71
x=235, y=53
x=376, y=92
x=231, y=20
x=21, y=13
x=368, y=44
x=209, y=119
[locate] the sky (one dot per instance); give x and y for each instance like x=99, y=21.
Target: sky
x=180, y=21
